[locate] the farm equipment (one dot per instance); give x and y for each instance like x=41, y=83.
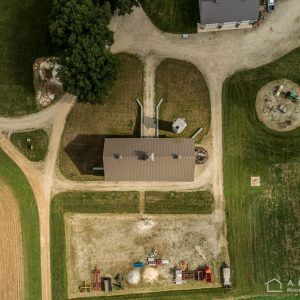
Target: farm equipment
x=293, y=96
x=282, y=109
x=85, y=287
x=183, y=265
x=199, y=275
x=207, y=274
x=178, y=276
x=96, y=278
x=226, y=278
x=188, y=274
x=138, y=265
x=106, y=284
x=279, y=90
x=119, y=281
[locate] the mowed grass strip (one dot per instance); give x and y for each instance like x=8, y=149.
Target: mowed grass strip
x=263, y=222
x=199, y=202
x=176, y=16
x=12, y=175
x=38, y=140
x=23, y=38
x=185, y=94
x=102, y=202
x=87, y=125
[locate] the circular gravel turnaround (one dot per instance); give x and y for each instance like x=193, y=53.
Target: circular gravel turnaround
x=275, y=108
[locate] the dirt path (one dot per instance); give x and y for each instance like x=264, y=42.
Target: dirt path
x=35, y=180
x=149, y=96
x=11, y=250
x=41, y=182
x=41, y=119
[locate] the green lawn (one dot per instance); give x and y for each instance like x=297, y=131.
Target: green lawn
x=110, y=202
x=199, y=202
x=263, y=222
x=23, y=38
x=11, y=175
x=185, y=94
x=38, y=139
x=87, y=125
x=177, y=16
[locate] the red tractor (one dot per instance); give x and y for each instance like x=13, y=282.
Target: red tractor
x=207, y=274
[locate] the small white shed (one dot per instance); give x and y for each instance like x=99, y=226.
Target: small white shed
x=179, y=125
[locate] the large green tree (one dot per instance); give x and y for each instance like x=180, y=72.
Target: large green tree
x=124, y=6
x=88, y=70
x=79, y=29
x=72, y=19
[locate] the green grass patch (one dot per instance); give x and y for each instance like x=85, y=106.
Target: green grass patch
x=12, y=175
x=38, y=140
x=203, y=294
x=199, y=202
x=263, y=222
x=87, y=125
x=23, y=38
x=176, y=16
x=185, y=94
x=106, y=202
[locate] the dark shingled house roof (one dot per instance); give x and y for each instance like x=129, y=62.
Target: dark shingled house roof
x=149, y=159
x=222, y=11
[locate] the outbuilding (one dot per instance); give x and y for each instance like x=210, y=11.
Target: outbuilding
x=149, y=159
x=228, y=13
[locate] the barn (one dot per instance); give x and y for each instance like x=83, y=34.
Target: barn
x=228, y=13
x=149, y=159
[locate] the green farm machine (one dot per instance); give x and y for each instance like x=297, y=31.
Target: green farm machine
x=293, y=96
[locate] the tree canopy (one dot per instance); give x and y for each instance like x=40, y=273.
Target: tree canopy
x=88, y=71
x=71, y=19
x=124, y=6
x=79, y=29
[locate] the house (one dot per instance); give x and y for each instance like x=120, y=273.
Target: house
x=152, y=159
x=228, y=13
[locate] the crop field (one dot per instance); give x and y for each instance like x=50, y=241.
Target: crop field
x=263, y=222
x=20, y=46
x=176, y=16
x=11, y=258
x=185, y=95
x=88, y=125
x=11, y=175
x=38, y=140
x=200, y=202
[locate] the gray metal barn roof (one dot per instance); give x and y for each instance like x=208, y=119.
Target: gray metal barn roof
x=222, y=11
x=152, y=159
